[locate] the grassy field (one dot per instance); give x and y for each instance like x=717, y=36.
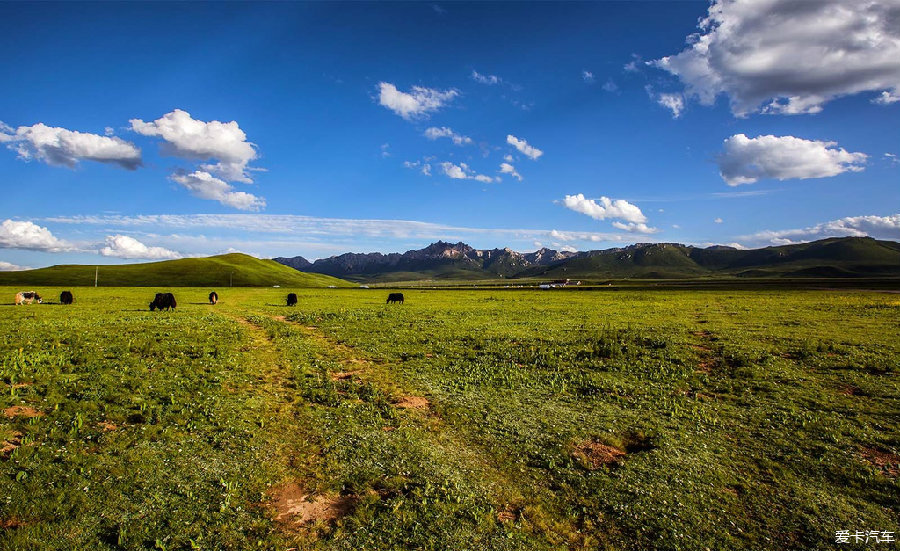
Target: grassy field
x=463, y=420
x=226, y=270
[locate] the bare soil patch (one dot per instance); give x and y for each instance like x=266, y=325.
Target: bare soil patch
x=343, y=375
x=850, y=390
x=888, y=463
x=506, y=516
x=107, y=426
x=295, y=508
x=412, y=402
x=11, y=523
x=594, y=454
x=10, y=444
x=22, y=411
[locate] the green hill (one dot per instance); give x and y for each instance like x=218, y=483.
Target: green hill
x=239, y=270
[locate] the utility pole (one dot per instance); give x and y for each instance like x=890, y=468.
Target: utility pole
x=96, y=275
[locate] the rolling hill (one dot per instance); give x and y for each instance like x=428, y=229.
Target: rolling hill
x=239, y=270
x=834, y=257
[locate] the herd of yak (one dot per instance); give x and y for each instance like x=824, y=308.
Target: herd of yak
x=163, y=301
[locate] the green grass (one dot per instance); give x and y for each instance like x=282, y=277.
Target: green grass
x=226, y=270
x=745, y=416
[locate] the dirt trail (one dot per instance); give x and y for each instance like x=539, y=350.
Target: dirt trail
x=506, y=490
x=292, y=508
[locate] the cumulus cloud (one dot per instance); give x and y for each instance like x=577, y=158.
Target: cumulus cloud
x=746, y=160
x=672, y=102
x=718, y=220
x=463, y=172
x=123, y=246
x=423, y=166
x=886, y=98
x=416, y=104
x=506, y=168
x=605, y=208
x=188, y=138
x=16, y=234
x=531, y=152
x=10, y=267
x=785, y=56
x=635, y=227
x=62, y=147
x=879, y=227
x=587, y=76
x=433, y=133
x=204, y=185
x=610, y=86
x=485, y=79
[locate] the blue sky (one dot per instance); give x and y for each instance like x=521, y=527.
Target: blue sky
x=148, y=131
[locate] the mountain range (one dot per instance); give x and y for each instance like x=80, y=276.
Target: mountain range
x=834, y=257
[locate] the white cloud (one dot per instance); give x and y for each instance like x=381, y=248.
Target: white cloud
x=788, y=56
x=414, y=105
x=457, y=172
x=62, y=147
x=718, y=220
x=506, y=168
x=15, y=234
x=9, y=267
x=886, y=98
x=606, y=208
x=610, y=86
x=123, y=246
x=463, y=172
x=672, y=102
x=746, y=160
x=635, y=227
x=485, y=79
x=508, y=158
x=531, y=152
x=204, y=185
x=879, y=227
x=188, y=138
x=385, y=150
x=587, y=76
x=334, y=235
x=434, y=133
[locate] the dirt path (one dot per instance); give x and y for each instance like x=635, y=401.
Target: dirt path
x=293, y=506
x=510, y=494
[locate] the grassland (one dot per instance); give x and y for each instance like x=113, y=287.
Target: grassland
x=460, y=420
x=234, y=269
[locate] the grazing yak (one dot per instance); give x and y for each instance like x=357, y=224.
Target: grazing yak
x=213, y=297
x=163, y=301
x=292, y=299
x=27, y=297
x=66, y=297
x=395, y=297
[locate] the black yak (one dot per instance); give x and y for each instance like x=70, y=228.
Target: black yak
x=292, y=299
x=66, y=297
x=213, y=297
x=163, y=301
x=395, y=297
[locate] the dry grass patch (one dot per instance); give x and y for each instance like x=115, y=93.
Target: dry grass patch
x=295, y=508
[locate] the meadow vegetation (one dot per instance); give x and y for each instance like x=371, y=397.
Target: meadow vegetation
x=488, y=419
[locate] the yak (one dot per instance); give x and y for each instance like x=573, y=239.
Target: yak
x=66, y=297
x=213, y=297
x=27, y=297
x=395, y=297
x=292, y=299
x=163, y=301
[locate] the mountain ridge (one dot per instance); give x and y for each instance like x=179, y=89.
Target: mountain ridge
x=831, y=257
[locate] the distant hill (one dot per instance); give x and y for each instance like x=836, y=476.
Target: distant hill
x=835, y=257
x=235, y=269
